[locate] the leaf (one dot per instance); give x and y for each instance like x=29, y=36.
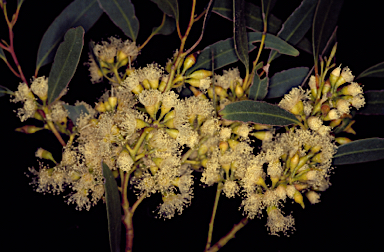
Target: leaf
x=74, y=112
x=2, y=55
x=374, y=71
x=240, y=32
x=112, y=199
x=166, y=27
x=273, y=42
x=65, y=63
x=360, y=151
x=224, y=54
x=259, y=88
x=283, y=81
x=305, y=45
x=374, y=103
x=169, y=7
x=324, y=23
x=258, y=112
x=83, y=13
x=297, y=25
x=122, y=14
x=253, y=18
x=268, y=6
x=4, y=90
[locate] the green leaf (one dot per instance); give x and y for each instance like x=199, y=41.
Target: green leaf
x=112, y=199
x=305, y=45
x=258, y=112
x=74, y=112
x=2, y=55
x=169, y=7
x=65, y=63
x=324, y=23
x=360, y=151
x=122, y=14
x=83, y=13
x=297, y=25
x=374, y=103
x=253, y=18
x=268, y=6
x=283, y=81
x=240, y=32
x=259, y=88
x=224, y=54
x=166, y=27
x=374, y=71
x=273, y=42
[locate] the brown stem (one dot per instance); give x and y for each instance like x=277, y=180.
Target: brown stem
x=229, y=236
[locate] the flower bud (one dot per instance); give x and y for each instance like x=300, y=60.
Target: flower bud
x=335, y=74
x=146, y=84
x=100, y=107
x=298, y=108
x=294, y=162
x=193, y=82
x=137, y=89
x=107, y=106
x=112, y=101
x=298, y=198
x=239, y=91
x=189, y=61
x=140, y=124
x=342, y=140
x=233, y=143
x=170, y=123
x=326, y=88
x=28, y=129
x=263, y=135
x=200, y=74
x=172, y=133
x=258, y=126
x=335, y=123
x=223, y=146
x=41, y=153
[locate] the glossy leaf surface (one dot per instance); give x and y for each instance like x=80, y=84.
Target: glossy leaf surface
x=374, y=71
x=83, y=13
x=64, y=66
x=240, y=32
x=259, y=88
x=273, y=42
x=374, y=103
x=360, y=151
x=297, y=25
x=122, y=14
x=253, y=18
x=324, y=23
x=283, y=81
x=258, y=112
x=112, y=199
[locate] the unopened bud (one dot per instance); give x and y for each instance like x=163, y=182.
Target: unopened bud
x=200, y=74
x=342, y=140
x=335, y=74
x=298, y=198
x=112, y=101
x=239, y=91
x=107, y=106
x=263, y=135
x=146, y=84
x=137, y=89
x=140, y=124
x=294, y=162
x=172, y=133
x=188, y=62
x=335, y=123
x=233, y=143
x=100, y=107
x=41, y=153
x=223, y=145
x=298, y=108
x=28, y=129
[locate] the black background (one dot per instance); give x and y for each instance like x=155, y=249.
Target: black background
x=348, y=215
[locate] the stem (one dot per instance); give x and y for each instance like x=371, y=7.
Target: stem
x=127, y=218
x=209, y=240
x=229, y=236
x=55, y=132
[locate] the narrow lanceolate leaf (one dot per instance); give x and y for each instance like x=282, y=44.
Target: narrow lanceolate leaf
x=169, y=7
x=223, y=54
x=360, y=151
x=259, y=88
x=252, y=13
x=305, y=45
x=283, y=81
x=297, y=25
x=324, y=23
x=122, y=14
x=166, y=27
x=112, y=199
x=240, y=32
x=74, y=112
x=374, y=71
x=65, y=63
x=4, y=90
x=79, y=13
x=374, y=103
x=273, y=42
x=258, y=112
